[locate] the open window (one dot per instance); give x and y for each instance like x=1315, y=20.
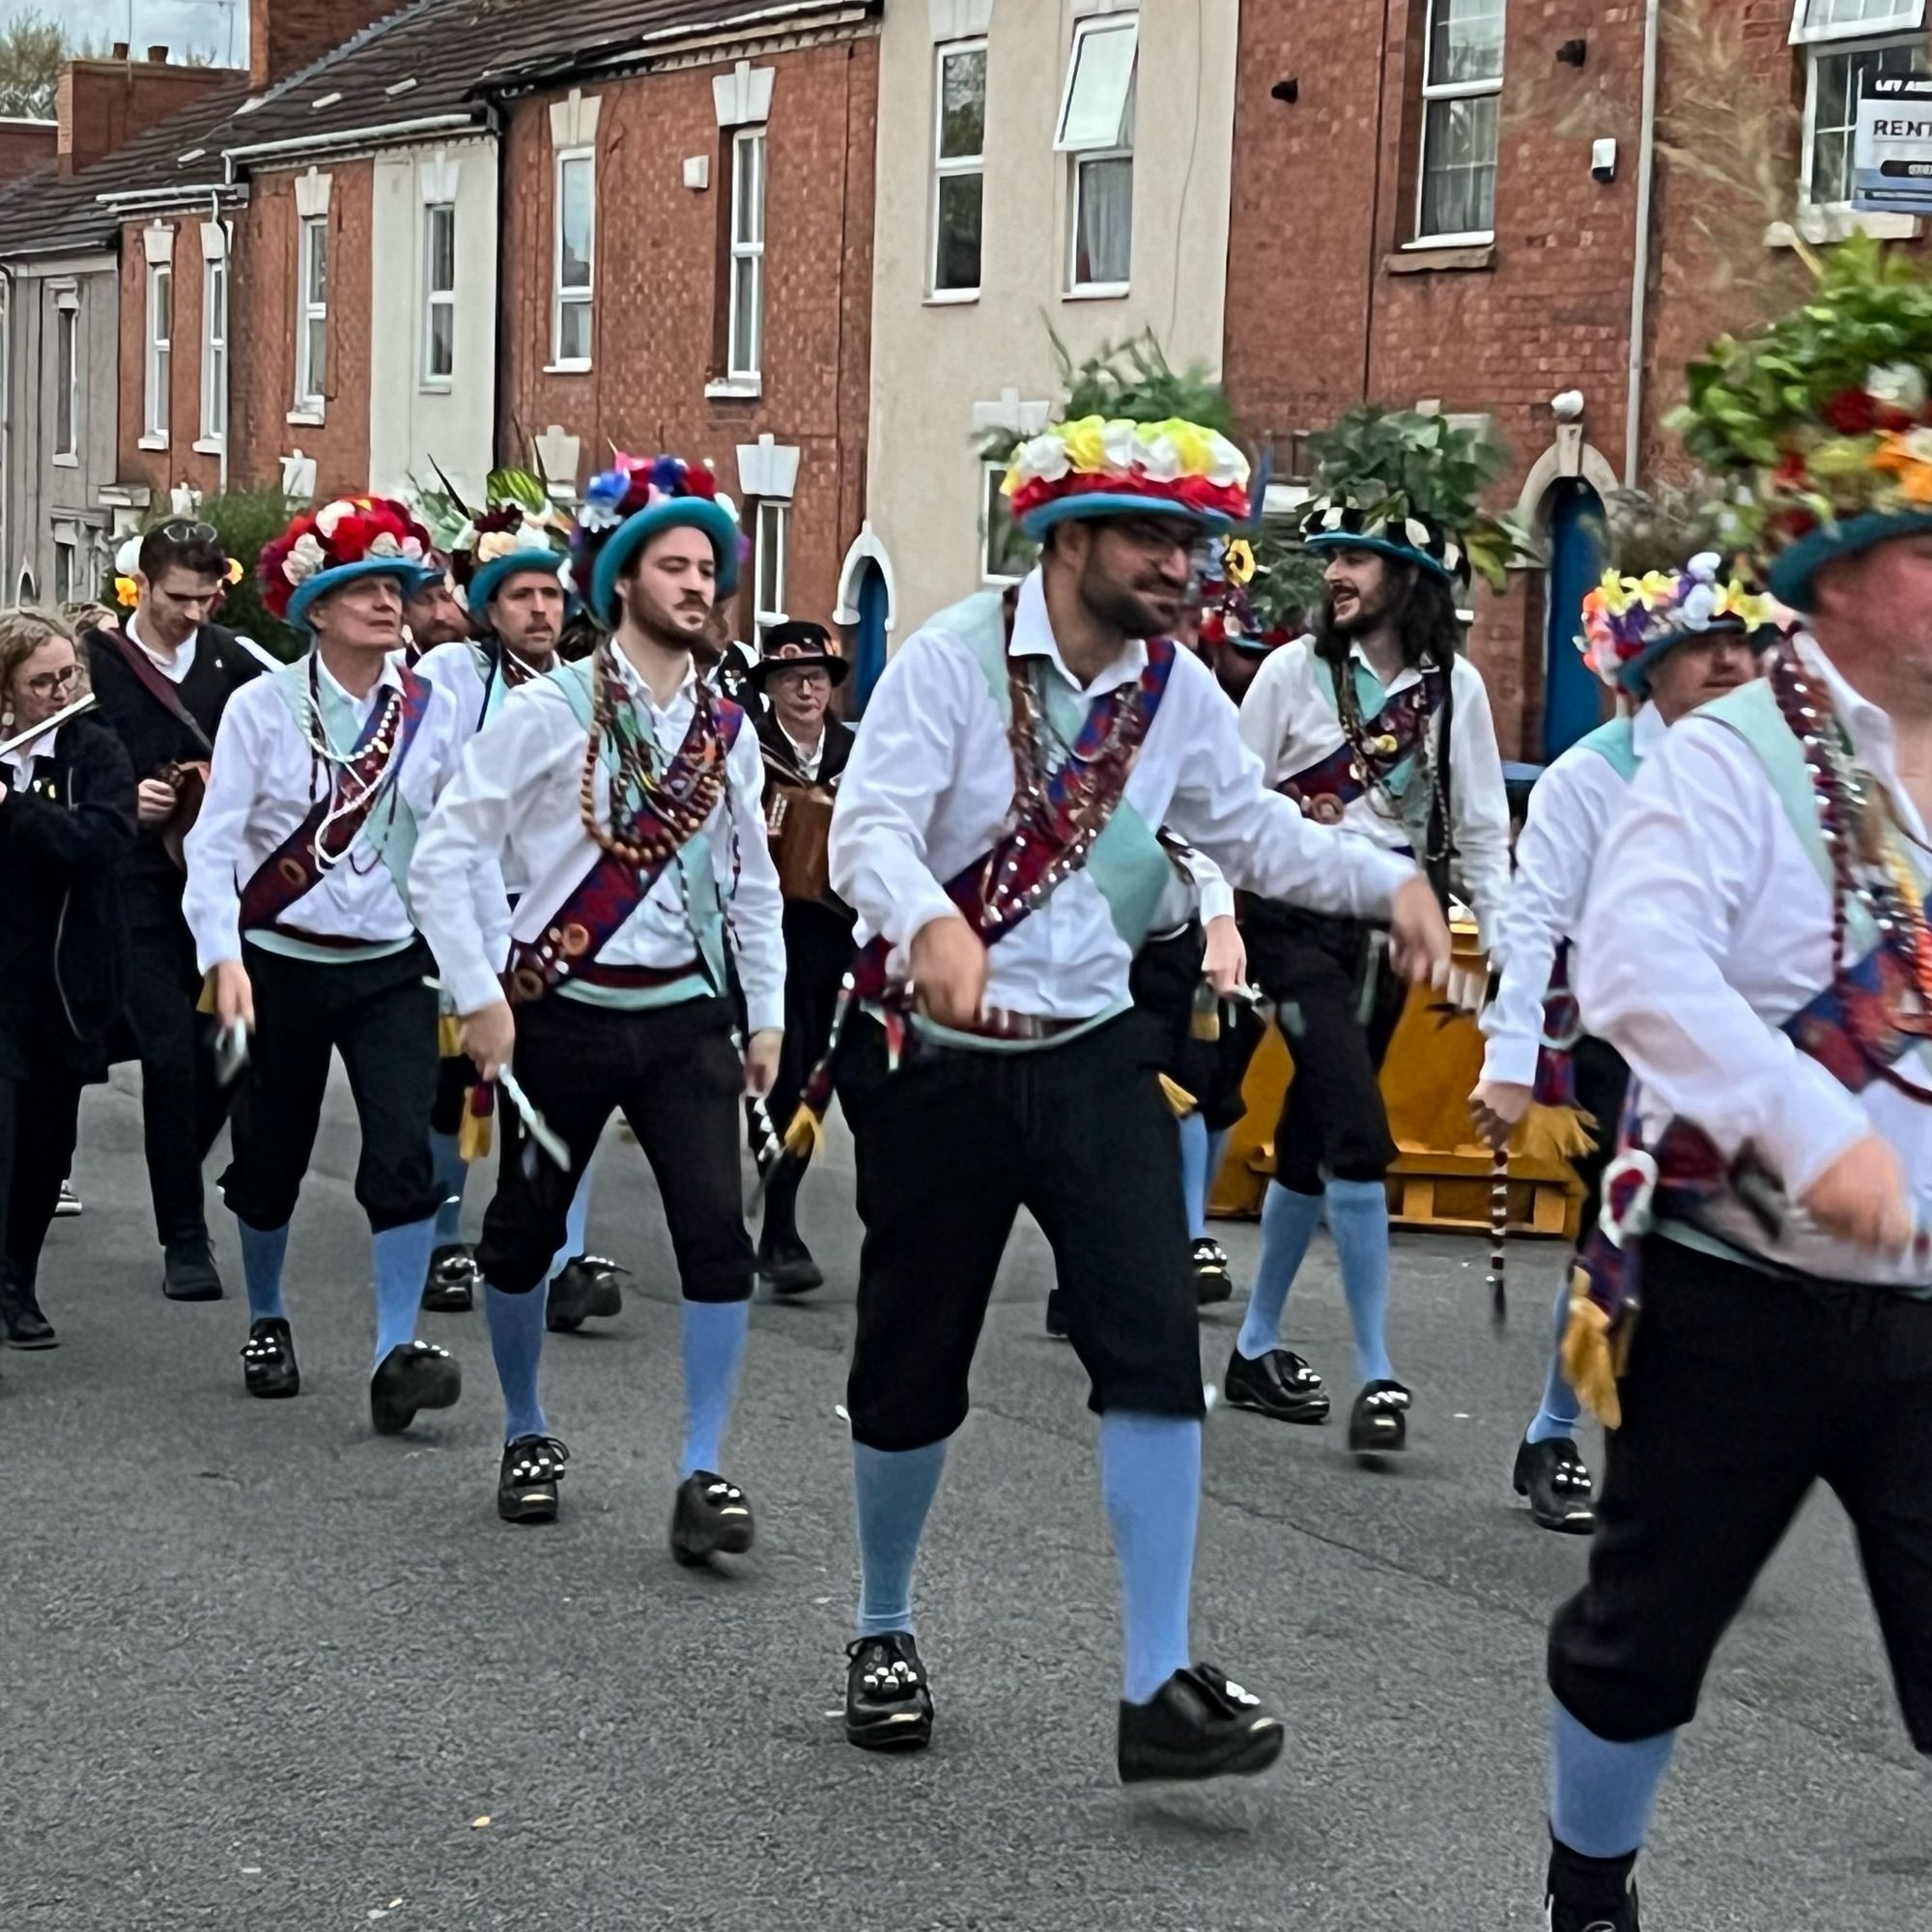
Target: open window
x=1097, y=133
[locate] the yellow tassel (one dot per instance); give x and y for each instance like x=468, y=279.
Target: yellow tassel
x=1178, y=1097
x=473, y=1136
x=1589, y=1361
x=448, y=1036
x=1204, y=1019
x=1550, y=1134
x=806, y=1134
x=206, y=1003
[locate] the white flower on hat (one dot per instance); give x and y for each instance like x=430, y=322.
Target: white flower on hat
x=1416, y=531
x=596, y=517
x=496, y=544
x=1120, y=447
x=1699, y=608
x=128, y=559
x=330, y=515
x=305, y=559
x=1226, y=464
x=1042, y=459
x=1918, y=445
x=412, y=549
x=1159, y=461
x=1899, y=384
x=383, y=544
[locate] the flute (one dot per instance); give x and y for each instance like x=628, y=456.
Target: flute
x=19, y=739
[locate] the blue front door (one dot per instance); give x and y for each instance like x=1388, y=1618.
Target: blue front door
x=1572, y=698
x=871, y=655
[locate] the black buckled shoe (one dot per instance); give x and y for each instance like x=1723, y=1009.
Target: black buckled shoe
x=269, y=1360
x=1557, y=1480
x=789, y=1268
x=526, y=1484
x=1379, y=1422
x=1200, y=1723
x=888, y=1701
x=453, y=1279
x=21, y=1323
x=187, y=1273
x=1280, y=1385
x=711, y=1518
x=1207, y=1263
x=415, y=1375
x=585, y=1286
x=1590, y=1895
x=1056, y=1316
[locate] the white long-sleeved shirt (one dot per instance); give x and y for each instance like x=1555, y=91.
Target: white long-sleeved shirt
x=931, y=780
x=262, y=779
x=1199, y=890
x=1289, y=720
x=516, y=797
x=1572, y=807
x=1706, y=927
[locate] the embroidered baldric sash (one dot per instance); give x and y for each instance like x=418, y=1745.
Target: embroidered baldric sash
x=335, y=821
x=1861, y=1028
x=1386, y=760
x=602, y=902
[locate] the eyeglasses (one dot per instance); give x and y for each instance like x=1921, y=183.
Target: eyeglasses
x=184, y=530
x=46, y=683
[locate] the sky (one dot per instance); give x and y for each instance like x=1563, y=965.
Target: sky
x=184, y=24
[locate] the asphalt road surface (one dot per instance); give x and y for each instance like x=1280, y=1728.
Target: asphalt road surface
x=266, y=1669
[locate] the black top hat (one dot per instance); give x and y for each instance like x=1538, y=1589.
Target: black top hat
x=798, y=646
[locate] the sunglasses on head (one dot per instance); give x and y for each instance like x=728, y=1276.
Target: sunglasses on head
x=186, y=530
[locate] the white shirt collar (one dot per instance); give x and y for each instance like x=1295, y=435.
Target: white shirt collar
x=22, y=760
x=391, y=679
x=633, y=681
x=1647, y=729
x=1873, y=738
x=183, y=651
x=806, y=752
x=1033, y=637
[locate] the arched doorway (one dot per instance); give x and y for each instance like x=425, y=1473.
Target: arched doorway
x=1572, y=698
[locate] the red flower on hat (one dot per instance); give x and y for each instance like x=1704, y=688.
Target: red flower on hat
x=344, y=531
x=1853, y=412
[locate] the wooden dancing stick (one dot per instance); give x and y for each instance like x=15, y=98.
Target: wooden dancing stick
x=1499, y=1194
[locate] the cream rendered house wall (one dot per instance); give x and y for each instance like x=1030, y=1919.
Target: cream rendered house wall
x=935, y=362
x=411, y=419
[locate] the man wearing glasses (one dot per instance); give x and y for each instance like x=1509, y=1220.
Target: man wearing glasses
x=162, y=679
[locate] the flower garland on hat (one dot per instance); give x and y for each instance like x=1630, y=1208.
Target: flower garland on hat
x=1823, y=417
x=349, y=530
x=1255, y=592
x=625, y=504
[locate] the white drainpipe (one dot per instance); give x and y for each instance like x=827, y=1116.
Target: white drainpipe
x=1646, y=172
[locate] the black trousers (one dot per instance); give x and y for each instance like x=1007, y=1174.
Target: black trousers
x=818, y=949
x=1603, y=1080
x=182, y=1105
x=455, y=1075
x=950, y=1147
x=1166, y=972
x=380, y=1017
x=40, y=1118
x=1763, y=1386
x=675, y=1076
x=1333, y=1123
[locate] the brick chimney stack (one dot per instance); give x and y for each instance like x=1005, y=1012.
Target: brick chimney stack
x=99, y=104
x=285, y=35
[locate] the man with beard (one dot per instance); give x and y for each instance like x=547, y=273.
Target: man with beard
x=806, y=750
x=626, y=793
x=433, y=615
x=508, y=569
x=1671, y=633
x=996, y=833
x=163, y=680
x=1378, y=724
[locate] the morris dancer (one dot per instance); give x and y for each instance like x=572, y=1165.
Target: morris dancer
x=1377, y=724
x=433, y=615
x=806, y=750
x=996, y=834
x=163, y=678
x=298, y=897
x=1670, y=632
x=627, y=794
x=1756, y=947
x=506, y=564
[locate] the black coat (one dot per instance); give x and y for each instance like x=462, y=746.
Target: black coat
x=63, y=942
x=840, y=739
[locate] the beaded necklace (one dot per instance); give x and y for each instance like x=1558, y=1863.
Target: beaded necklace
x=676, y=800
x=1370, y=747
x=356, y=779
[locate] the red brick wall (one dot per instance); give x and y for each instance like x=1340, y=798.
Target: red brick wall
x=162, y=469
x=655, y=326
x=24, y=146
x=284, y=35
x=102, y=104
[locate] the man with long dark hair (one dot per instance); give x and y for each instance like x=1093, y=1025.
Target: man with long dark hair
x=1374, y=723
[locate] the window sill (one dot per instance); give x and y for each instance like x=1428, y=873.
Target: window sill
x=439, y=385
x=1090, y=291
x=67, y=459
x=151, y=441
x=735, y=389
x=1824, y=225
x=208, y=445
x=305, y=419
x=1460, y=253
x=950, y=297
x=581, y=368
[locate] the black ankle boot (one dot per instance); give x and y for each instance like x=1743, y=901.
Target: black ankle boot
x=1586, y=1895
x=783, y=1259
x=21, y=1322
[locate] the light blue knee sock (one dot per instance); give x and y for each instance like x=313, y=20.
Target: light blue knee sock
x=1194, y=1175
x=894, y=1489
x=1217, y=1146
x=1601, y=1793
x=1557, y=1417
x=401, y=1260
x=516, y=1341
x=263, y=1251
x=451, y=1170
x=714, y=1344
x=1358, y=1218
x=1287, y=1226
x=1150, y=1480
x=576, y=1226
